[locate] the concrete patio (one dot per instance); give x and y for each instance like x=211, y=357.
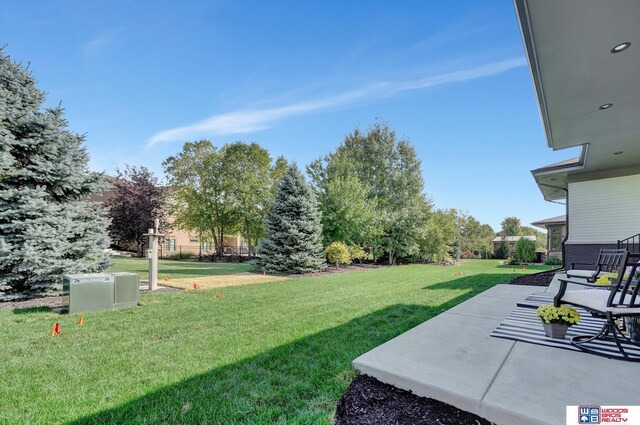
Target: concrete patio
x=453, y=359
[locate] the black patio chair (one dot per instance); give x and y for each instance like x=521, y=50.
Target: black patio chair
x=608, y=262
x=612, y=302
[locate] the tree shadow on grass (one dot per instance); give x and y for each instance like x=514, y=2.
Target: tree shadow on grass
x=299, y=382
x=518, y=268
x=476, y=282
x=473, y=285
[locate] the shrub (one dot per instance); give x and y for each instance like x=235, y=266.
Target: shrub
x=468, y=254
x=356, y=253
x=503, y=251
x=183, y=256
x=338, y=253
x=552, y=260
x=525, y=250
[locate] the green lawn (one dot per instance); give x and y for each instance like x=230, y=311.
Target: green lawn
x=174, y=269
x=270, y=353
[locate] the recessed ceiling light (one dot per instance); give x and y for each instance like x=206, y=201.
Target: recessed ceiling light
x=621, y=47
x=606, y=106
x=618, y=152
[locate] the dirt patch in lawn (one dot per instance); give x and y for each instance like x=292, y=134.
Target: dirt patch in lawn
x=369, y=401
x=221, y=281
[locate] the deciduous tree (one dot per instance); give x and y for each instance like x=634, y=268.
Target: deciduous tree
x=389, y=168
x=511, y=226
x=138, y=200
x=201, y=192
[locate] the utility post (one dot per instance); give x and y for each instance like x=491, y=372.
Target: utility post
x=152, y=254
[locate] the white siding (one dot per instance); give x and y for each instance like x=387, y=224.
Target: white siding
x=603, y=211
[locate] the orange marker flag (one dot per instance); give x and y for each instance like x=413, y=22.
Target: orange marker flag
x=81, y=321
x=55, y=329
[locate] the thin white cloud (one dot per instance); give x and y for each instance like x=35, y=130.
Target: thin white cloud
x=246, y=121
x=95, y=45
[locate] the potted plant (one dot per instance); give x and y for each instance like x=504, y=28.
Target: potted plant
x=556, y=320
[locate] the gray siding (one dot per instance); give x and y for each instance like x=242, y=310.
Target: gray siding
x=604, y=211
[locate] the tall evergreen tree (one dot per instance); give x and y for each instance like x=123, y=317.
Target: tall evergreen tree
x=293, y=241
x=48, y=226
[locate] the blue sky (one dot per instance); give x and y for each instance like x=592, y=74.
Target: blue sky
x=140, y=78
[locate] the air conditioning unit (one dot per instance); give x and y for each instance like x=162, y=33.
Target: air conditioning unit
x=100, y=291
x=126, y=289
x=88, y=292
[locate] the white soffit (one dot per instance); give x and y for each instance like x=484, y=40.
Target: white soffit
x=568, y=45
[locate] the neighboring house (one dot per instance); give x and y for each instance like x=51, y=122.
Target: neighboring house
x=587, y=86
x=177, y=241
x=556, y=228
x=511, y=240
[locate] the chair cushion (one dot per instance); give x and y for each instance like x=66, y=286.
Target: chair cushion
x=596, y=299
x=584, y=274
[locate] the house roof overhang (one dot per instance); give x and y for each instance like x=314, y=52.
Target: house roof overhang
x=569, y=47
x=561, y=219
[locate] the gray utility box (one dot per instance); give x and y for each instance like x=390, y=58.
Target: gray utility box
x=88, y=292
x=126, y=290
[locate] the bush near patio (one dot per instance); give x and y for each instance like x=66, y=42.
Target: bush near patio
x=274, y=353
x=552, y=260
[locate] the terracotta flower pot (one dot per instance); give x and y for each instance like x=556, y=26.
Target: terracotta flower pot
x=555, y=330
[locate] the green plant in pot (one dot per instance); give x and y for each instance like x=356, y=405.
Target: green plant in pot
x=556, y=320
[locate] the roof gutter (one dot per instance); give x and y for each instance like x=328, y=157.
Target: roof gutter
x=526, y=31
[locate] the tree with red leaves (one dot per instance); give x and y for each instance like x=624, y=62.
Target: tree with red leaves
x=138, y=199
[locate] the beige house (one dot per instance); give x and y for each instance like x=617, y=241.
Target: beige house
x=556, y=228
x=511, y=240
x=177, y=242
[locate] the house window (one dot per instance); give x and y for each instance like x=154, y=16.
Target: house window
x=193, y=241
x=205, y=246
x=169, y=245
x=555, y=238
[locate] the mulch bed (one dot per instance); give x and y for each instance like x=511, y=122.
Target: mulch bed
x=369, y=401
x=537, y=279
x=57, y=302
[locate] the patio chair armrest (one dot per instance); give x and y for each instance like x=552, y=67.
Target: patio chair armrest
x=584, y=283
x=573, y=265
x=557, y=299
